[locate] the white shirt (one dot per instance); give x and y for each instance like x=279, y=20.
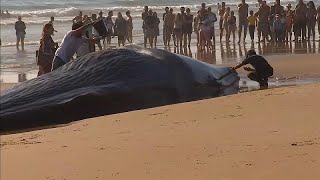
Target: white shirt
x=69, y=46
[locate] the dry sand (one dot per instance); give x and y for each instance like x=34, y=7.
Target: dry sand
x=267, y=134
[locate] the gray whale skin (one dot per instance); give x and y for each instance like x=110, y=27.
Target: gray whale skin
x=111, y=81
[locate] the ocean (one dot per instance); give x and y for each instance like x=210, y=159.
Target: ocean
x=35, y=13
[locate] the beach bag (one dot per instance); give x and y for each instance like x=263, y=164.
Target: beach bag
x=44, y=58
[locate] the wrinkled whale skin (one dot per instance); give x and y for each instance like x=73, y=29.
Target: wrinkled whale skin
x=111, y=81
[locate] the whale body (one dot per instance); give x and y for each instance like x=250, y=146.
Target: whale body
x=112, y=81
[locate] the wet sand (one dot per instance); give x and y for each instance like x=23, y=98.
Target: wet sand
x=267, y=134
x=18, y=67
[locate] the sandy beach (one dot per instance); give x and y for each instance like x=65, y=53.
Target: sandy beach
x=266, y=134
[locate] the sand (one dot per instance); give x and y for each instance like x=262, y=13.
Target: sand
x=266, y=134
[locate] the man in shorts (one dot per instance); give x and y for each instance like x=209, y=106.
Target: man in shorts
x=221, y=12
x=20, y=28
x=243, y=22
x=261, y=70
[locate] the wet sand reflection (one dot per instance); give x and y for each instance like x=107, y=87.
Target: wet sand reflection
x=222, y=53
x=225, y=53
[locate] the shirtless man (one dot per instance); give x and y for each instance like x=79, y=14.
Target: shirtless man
x=221, y=12
x=243, y=22
x=169, y=25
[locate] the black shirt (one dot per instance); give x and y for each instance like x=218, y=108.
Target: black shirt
x=259, y=63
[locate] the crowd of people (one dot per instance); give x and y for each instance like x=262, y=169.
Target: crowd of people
x=269, y=23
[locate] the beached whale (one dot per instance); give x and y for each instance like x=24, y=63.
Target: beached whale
x=112, y=81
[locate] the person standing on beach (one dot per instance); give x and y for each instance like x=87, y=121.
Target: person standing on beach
x=78, y=18
x=196, y=22
x=156, y=29
x=212, y=17
x=20, y=28
x=46, y=51
x=252, y=21
x=110, y=26
x=221, y=13
x=96, y=35
x=70, y=44
x=130, y=26
x=243, y=9
x=184, y=33
x=277, y=8
x=263, y=14
x=169, y=26
x=101, y=17
x=89, y=46
x=188, y=25
x=51, y=22
x=121, y=29
x=149, y=27
x=178, y=30
x=277, y=28
x=318, y=19
x=289, y=17
x=261, y=70
x=166, y=9
x=232, y=23
x=226, y=23
x=311, y=20
x=143, y=17
x=300, y=22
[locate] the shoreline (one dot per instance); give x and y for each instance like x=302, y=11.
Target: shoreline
x=265, y=134
x=24, y=62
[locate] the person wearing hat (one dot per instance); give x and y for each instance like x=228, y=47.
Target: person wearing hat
x=261, y=70
x=20, y=28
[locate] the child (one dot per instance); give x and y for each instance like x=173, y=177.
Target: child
x=232, y=26
x=252, y=20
